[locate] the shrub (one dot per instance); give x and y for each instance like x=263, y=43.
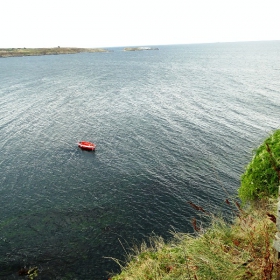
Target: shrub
x=261, y=176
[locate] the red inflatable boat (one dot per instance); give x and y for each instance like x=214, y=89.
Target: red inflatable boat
x=85, y=145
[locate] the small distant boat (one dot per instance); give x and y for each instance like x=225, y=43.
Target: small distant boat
x=85, y=145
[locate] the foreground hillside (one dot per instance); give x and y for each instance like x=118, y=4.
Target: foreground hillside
x=11, y=52
x=240, y=249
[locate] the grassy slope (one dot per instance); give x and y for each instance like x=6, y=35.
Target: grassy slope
x=241, y=250
x=44, y=51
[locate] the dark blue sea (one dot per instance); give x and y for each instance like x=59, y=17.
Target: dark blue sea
x=171, y=126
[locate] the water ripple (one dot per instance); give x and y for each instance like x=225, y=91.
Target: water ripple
x=171, y=126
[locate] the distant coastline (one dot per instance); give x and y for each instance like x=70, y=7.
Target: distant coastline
x=140, y=49
x=13, y=52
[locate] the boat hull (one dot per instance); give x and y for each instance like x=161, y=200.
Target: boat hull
x=88, y=146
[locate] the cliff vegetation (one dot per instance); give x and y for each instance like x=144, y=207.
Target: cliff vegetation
x=261, y=177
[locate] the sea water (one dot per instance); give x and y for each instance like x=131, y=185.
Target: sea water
x=171, y=126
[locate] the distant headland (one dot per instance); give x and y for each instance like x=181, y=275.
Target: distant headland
x=11, y=52
x=140, y=49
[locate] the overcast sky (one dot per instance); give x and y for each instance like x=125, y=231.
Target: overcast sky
x=110, y=23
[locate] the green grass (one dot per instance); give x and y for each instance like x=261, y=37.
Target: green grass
x=260, y=178
x=241, y=250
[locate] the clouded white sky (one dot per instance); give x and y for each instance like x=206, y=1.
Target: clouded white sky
x=111, y=23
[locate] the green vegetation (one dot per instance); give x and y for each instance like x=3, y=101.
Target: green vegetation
x=241, y=249
x=11, y=52
x=261, y=177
